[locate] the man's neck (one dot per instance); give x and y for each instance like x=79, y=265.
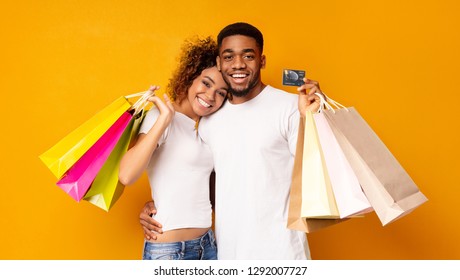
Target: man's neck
x=253, y=93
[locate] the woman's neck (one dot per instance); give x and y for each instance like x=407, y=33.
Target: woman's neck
x=186, y=108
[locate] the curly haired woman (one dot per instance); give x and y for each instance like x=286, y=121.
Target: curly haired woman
x=178, y=164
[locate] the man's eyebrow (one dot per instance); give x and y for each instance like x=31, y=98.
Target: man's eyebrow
x=244, y=50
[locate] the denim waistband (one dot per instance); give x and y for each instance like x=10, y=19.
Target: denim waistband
x=192, y=244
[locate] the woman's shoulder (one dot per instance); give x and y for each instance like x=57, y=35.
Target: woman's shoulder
x=153, y=113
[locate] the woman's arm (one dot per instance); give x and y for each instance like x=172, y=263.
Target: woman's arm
x=136, y=159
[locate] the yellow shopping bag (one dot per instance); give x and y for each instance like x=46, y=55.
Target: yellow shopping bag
x=72, y=147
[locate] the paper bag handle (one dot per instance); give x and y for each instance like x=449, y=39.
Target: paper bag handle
x=142, y=102
x=326, y=103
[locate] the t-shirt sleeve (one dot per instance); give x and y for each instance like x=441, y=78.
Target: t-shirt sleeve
x=294, y=119
x=203, y=129
x=148, y=122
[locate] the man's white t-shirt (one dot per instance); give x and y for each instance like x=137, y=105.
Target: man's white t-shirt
x=178, y=173
x=253, y=146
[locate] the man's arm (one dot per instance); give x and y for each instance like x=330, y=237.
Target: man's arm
x=150, y=226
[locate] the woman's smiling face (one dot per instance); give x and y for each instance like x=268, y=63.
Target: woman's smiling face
x=207, y=92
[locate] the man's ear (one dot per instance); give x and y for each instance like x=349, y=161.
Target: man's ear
x=218, y=63
x=263, y=62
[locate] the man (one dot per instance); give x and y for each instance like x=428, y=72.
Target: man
x=253, y=139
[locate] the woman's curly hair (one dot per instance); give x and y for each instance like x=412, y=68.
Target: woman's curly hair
x=196, y=55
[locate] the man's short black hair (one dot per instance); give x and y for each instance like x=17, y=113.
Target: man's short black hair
x=241, y=28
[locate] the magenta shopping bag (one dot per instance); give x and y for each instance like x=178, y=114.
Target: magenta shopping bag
x=79, y=177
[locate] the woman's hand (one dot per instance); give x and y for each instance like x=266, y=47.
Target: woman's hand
x=166, y=108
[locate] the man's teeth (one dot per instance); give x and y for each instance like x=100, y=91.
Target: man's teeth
x=239, y=75
x=202, y=102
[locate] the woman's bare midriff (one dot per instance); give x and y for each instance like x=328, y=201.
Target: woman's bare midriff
x=182, y=234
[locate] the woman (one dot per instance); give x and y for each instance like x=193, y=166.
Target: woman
x=177, y=162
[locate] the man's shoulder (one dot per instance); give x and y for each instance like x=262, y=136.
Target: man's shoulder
x=279, y=93
x=280, y=97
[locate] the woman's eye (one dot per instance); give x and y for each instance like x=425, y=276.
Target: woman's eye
x=206, y=84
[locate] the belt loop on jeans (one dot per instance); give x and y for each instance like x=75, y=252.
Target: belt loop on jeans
x=202, y=244
x=203, y=238
x=182, y=251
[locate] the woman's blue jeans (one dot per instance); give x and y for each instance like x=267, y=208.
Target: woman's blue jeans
x=202, y=248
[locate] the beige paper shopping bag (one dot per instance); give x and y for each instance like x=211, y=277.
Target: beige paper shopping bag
x=388, y=187
x=349, y=196
x=296, y=220
x=318, y=200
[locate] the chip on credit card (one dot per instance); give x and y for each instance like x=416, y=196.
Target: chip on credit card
x=293, y=77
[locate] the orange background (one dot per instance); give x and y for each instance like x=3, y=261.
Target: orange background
x=62, y=61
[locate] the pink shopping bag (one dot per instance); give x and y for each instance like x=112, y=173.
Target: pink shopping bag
x=79, y=177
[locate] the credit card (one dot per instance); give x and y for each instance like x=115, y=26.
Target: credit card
x=293, y=77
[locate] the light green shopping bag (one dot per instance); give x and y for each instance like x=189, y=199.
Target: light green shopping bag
x=106, y=189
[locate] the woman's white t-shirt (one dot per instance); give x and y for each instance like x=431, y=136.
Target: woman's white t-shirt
x=178, y=173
